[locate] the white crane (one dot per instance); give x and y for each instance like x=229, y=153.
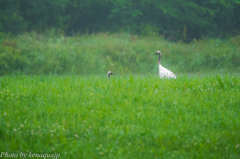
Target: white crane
x=109, y=73
x=163, y=72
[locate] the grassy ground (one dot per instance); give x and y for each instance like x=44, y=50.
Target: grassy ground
x=124, y=117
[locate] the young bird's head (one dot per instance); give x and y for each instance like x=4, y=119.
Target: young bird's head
x=109, y=73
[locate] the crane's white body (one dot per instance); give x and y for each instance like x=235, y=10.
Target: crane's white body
x=165, y=73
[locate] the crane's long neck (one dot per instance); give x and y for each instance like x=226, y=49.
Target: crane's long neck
x=159, y=59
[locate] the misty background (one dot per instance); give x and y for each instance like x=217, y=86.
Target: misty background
x=91, y=37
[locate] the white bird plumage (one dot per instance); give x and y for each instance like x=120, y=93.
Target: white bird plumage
x=163, y=72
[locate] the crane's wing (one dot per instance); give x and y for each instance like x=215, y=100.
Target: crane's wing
x=165, y=73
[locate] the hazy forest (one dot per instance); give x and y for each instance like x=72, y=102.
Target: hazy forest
x=174, y=20
x=57, y=102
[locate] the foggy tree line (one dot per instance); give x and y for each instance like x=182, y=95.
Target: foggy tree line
x=173, y=19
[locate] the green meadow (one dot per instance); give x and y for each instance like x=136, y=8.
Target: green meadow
x=123, y=117
x=94, y=54
x=55, y=97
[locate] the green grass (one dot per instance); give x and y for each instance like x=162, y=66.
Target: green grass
x=53, y=53
x=124, y=117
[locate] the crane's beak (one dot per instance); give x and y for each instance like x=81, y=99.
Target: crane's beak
x=155, y=54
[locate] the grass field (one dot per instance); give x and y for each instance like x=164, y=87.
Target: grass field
x=124, y=117
x=53, y=53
